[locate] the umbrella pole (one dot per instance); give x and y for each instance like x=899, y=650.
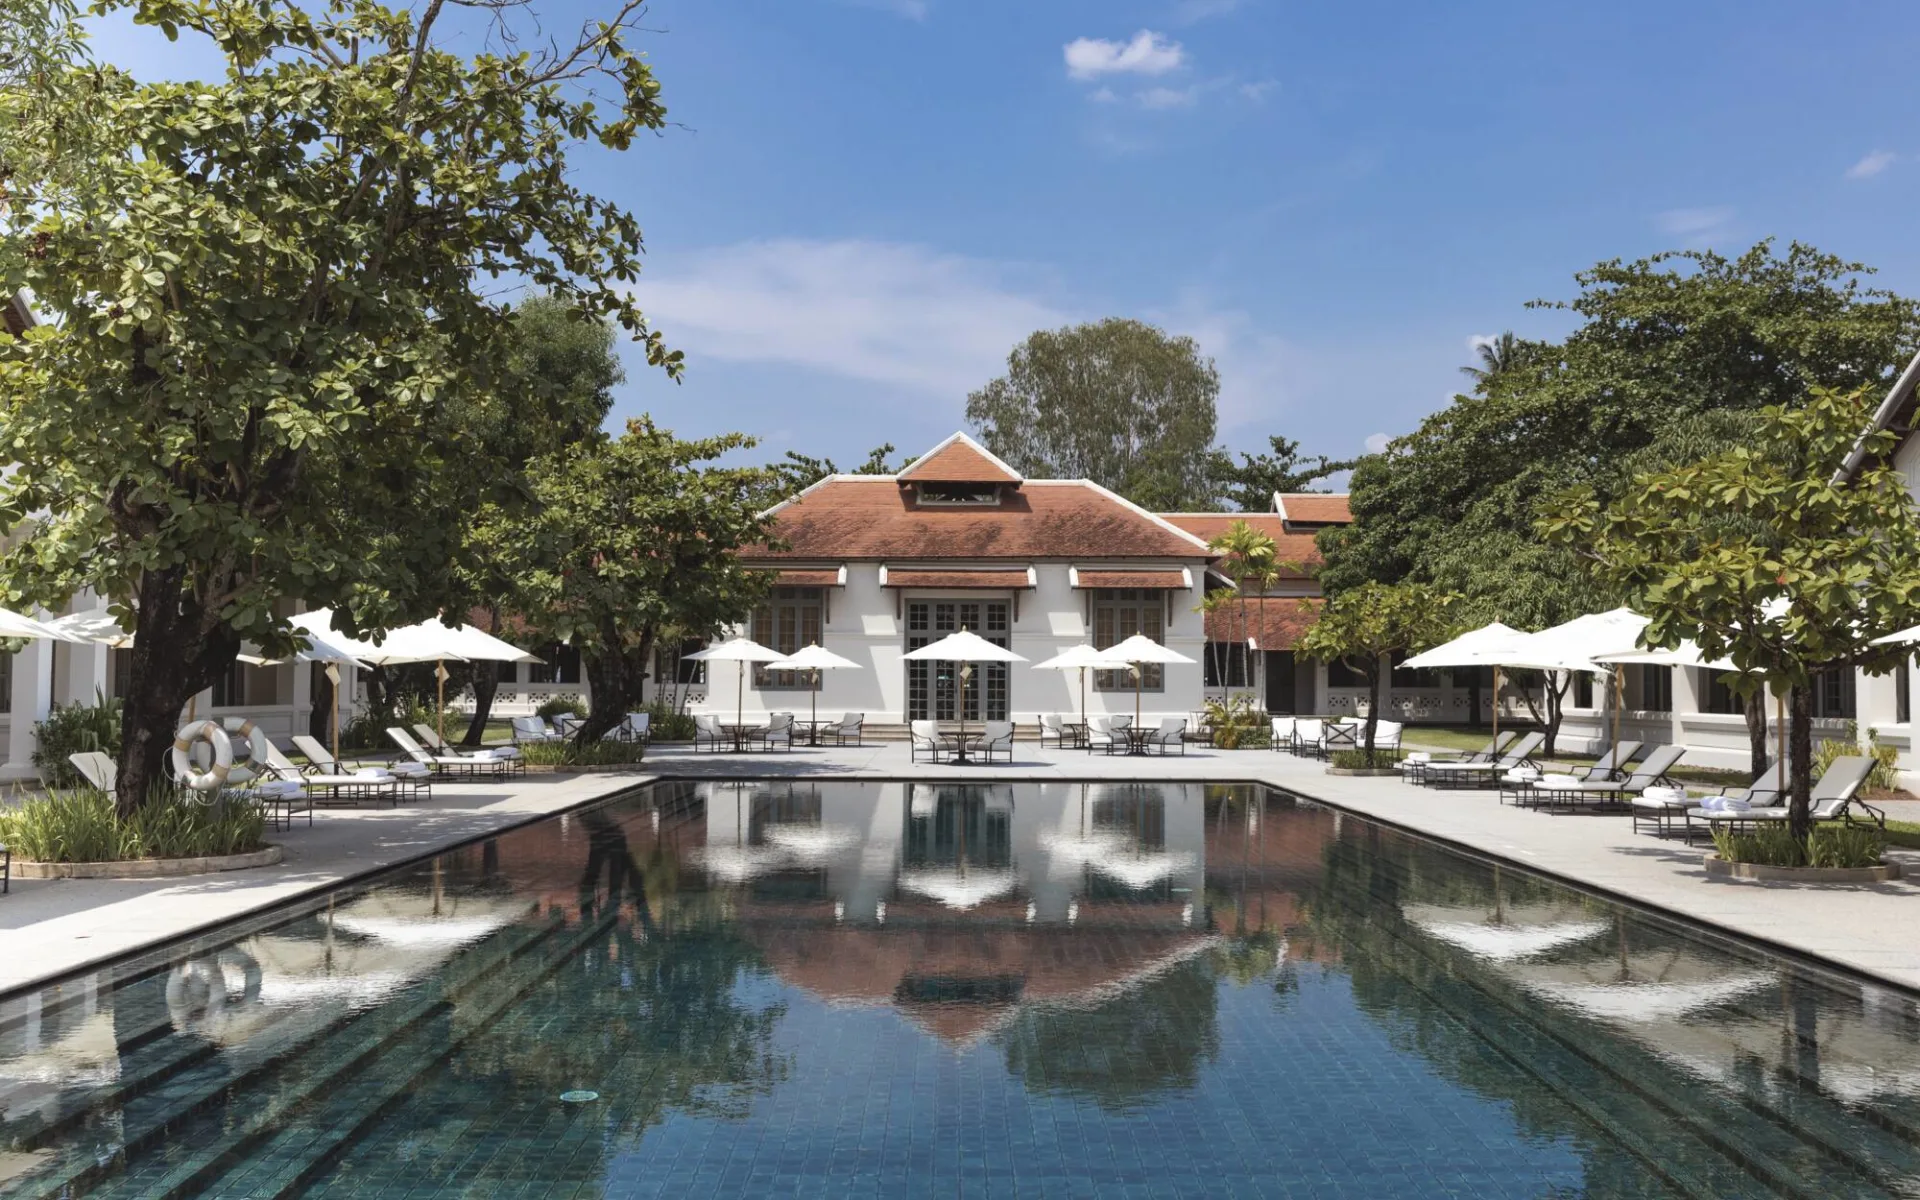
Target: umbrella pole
x=1496, y=711
x=740, y=691
x=440, y=710
x=1619, y=702
x=333, y=718
x=1780, y=735
x=813, y=707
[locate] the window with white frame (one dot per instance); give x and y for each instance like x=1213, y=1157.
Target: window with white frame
x=1118, y=614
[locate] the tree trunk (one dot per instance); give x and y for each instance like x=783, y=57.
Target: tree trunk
x=1555, y=684
x=486, y=683
x=616, y=673
x=1374, y=678
x=1800, y=760
x=1759, y=748
x=177, y=651
x=319, y=727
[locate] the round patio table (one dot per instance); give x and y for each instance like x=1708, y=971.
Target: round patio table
x=1137, y=739
x=740, y=734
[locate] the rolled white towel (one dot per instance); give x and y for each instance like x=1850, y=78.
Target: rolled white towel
x=1665, y=795
x=1418, y=756
x=405, y=770
x=1522, y=775
x=1735, y=804
x=373, y=773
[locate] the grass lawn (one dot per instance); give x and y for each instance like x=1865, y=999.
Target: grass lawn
x=1903, y=833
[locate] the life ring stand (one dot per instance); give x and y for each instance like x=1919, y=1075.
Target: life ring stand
x=213, y=779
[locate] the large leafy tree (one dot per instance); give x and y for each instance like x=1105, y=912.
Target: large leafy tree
x=630, y=537
x=1119, y=402
x=1364, y=626
x=1767, y=554
x=1669, y=351
x=796, y=472
x=561, y=368
x=269, y=332
x=1249, y=485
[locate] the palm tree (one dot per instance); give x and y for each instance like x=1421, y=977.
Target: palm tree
x=1498, y=354
x=1249, y=555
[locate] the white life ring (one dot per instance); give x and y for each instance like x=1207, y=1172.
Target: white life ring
x=183, y=770
x=252, y=748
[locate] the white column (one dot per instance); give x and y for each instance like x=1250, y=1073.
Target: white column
x=32, y=696
x=86, y=673
x=302, y=698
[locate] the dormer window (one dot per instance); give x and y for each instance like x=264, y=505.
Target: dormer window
x=958, y=494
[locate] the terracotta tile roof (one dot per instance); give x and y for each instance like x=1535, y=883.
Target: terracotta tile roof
x=1315, y=508
x=1294, y=547
x=1132, y=579
x=871, y=517
x=1002, y=579
x=959, y=459
x=1277, y=628
x=808, y=577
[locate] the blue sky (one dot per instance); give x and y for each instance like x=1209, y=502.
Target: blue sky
x=868, y=202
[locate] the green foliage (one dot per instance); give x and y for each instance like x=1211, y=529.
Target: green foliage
x=668, y=723
x=1886, y=759
x=554, y=706
x=82, y=825
x=1115, y=401
x=1672, y=355
x=592, y=754
x=1760, y=556
x=796, y=472
x=1237, y=724
x=1364, y=760
x=367, y=730
x=632, y=536
x=74, y=729
x=270, y=336
x=1364, y=625
x=1249, y=485
x=1842, y=846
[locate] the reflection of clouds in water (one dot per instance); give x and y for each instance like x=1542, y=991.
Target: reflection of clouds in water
x=812, y=843
x=738, y=864
x=959, y=889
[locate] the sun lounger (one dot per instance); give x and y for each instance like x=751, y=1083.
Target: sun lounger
x=1608, y=793
x=96, y=768
x=453, y=764
x=406, y=774
x=1833, y=798
x=1608, y=766
x=373, y=784
x=430, y=738
x=1478, y=774
x=1665, y=809
x=1414, y=768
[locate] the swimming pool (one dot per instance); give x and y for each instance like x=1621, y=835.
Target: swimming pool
x=877, y=989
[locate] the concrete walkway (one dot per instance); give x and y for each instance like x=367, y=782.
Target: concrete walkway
x=52, y=928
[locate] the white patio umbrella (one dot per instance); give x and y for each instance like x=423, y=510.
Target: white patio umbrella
x=1083, y=658
x=813, y=657
x=1500, y=646
x=966, y=649
x=740, y=651
x=1138, y=651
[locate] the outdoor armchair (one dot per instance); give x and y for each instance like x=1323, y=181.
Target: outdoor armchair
x=778, y=733
x=924, y=738
x=996, y=738
x=638, y=727
x=532, y=729
x=1306, y=736
x=1171, y=734
x=1339, y=735
x=707, y=732
x=1386, y=735
x=1282, y=733
x=1101, y=733
x=846, y=729
x=1052, y=726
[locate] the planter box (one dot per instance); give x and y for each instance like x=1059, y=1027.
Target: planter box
x=1367, y=772
x=1721, y=868
x=147, y=868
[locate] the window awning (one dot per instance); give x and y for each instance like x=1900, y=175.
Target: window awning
x=810, y=577
x=1167, y=579
x=998, y=579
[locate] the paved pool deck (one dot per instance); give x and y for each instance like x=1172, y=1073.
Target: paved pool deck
x=53, y=928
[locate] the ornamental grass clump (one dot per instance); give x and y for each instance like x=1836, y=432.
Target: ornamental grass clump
x=594, y=754
x=82, y=826
x=1364, y=760
x=1829, y=846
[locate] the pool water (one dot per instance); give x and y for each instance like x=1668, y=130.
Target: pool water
x=894, y=989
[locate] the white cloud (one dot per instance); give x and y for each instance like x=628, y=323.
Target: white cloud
x=1477, y=340
x=1166, y=97
x=1694, y=222
x=1258, y=90
x=1872, y=164
x=883, y=312
x=1377, y=442
x=1103, y=95
x=913, y=10
x=1147, y=53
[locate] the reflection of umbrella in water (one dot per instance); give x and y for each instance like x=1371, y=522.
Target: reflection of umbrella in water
x=962, y=889
x=811, y=843
x=1143, y=869
x=422, y=932
x=1519, y=933
x=1642, y=987
x=737, y=864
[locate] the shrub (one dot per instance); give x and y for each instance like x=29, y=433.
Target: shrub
x=669, y=723
x=1360, y=760
x=554, y=706
x=368, y=731
x=596, y=754
x=81, y=825
x=1236, y=723
x=74, y=729
x=1826, y=846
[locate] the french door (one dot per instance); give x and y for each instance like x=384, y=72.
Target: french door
x=933, y=688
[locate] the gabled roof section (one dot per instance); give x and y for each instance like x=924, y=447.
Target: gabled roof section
x=959, y=459
x=853, y=517
x=1313, y=508
x=1896, y=412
